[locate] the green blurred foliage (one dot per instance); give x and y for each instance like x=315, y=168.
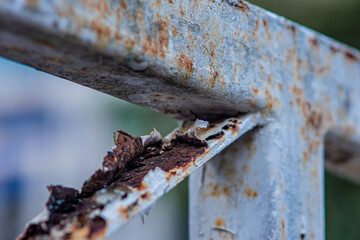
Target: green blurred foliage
x=342, y=209
x=138, y=120
x=339, y=19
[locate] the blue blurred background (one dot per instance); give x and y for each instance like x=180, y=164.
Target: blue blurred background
x=56, y=132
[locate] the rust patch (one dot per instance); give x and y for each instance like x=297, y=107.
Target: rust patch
x=226, y=191
x=124, y=213
x=267, y=30
x=250, y=193
x=53, y=59
x=239, y=4
x=142, y=186
x=280, y=86
x=184, y=62
x=45, y=43
x=297, y=91
x=282, y=226
x=213, y=79
x=233, y=127
x=334, y=49
x=163, y=33
x=125, y=166
x=219, y=222
x=314, y=42
x=245, y=168
x=67, y=203
x=350, y=56
x=102, y=31
x=255, y=91
x=31, y=3
x=146, y=196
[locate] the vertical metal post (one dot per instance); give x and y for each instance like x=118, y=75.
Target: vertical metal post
x=261, y=187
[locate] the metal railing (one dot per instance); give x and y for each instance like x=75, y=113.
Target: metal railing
x=211, y=60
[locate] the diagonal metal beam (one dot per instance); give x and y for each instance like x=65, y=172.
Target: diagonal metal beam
x=115, y=204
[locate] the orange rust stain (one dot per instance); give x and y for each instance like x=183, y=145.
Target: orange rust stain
x=250, y=193
x=213, y=79
x=323, y=70
x=350, y=56
x=124, y=213
x=226, y=191
x=269, y=100
x=255, y=91
x=297, y=91
x=215, y=191
x=171, y=1
x=53, y=59
x=163, y=34
x=80, y=232
x=290, y=54
x=129, y=43
x=267, y=30
x=184, y=62
x=230, y=174
x=219, y=222
x=291, y=28
x=118, y=37
x=254, y=32
x=103, y=7
x=146, y=196
x=102, y=31
x=245, y=168
x=174, y=32
x=280, y=86
x=45, y=43
x=212, y=50
x=305, y=157
x=182, y=12
x=252, y=151
x=315, y=120
x=31, y=3
x=303, y=132
x=142, y=186
x=99, y=234
x=334, y=49
x=269, y=80
x=124, y=5
x=314, y=174
x=282, y=224
x=314, y=42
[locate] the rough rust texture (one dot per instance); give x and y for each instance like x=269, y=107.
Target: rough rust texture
x=124, y=167
x=66, y=203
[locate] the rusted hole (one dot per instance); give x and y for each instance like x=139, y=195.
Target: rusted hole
x=215, y=136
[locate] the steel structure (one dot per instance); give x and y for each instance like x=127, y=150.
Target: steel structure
x=212, y=60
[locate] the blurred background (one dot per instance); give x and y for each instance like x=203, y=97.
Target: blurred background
x=56, y=132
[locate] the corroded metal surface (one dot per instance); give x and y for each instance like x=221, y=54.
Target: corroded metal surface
x=114, y=204
x=206, y=59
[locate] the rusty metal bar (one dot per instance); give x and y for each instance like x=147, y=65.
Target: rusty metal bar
x=206, y=59
x=120, y=202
